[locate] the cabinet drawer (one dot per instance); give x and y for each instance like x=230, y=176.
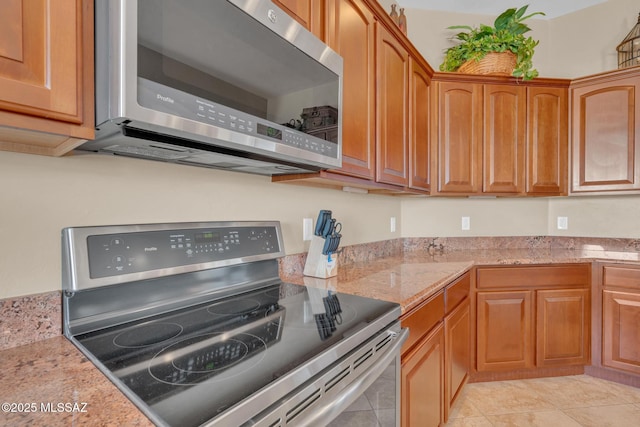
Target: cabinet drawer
x=533, y=276
x=455, y=293
x=621, y=277
x=422, y=319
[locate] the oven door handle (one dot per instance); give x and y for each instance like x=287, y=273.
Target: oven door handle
x=329, y=410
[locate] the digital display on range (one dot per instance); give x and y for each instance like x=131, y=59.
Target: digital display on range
x=207, y=237
x=269, y=131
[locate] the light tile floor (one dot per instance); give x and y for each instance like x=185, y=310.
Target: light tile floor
x=571, y=401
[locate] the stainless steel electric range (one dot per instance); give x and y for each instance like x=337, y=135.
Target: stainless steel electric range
x=192, y=322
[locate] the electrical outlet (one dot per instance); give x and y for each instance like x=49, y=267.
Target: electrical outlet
x=393, y=224
x=307, y=228
x=563, y=223
x=466, y=223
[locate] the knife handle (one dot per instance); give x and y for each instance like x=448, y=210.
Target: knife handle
x=323, y=217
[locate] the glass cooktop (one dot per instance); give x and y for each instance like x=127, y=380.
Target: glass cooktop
x=192, y=364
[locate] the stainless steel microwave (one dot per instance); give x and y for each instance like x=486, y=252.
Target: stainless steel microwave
x=222, y=84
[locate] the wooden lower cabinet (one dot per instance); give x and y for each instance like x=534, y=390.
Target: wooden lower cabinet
x=562, y=325
x=505, y=330
x=436, y=356
x=457, y=330
x=621, y=331
x=532, y=320
x=615, y=341
x=422, y=382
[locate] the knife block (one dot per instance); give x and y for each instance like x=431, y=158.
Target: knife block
x=319, y=265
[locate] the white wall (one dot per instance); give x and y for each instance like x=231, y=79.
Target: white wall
x=41, y=195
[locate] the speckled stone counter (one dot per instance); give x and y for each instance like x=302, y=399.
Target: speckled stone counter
x=50, y=383
x=392, y=279
x=412, y=276
x=52, y=371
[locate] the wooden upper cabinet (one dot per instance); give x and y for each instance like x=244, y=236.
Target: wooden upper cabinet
x=499, y=136
x=505, y=118
x=46, y=75
x=419, y=121
x=547, y=140
x=457, y=140
x=391, y=118
x=351, y=33
x=605, y=120
x=306, y=12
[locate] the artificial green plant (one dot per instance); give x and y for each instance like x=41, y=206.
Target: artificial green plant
x=507, y=34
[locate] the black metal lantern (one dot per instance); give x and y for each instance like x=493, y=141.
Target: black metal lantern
x=629, y=48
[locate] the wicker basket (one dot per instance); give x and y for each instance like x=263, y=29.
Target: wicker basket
x=493, y=64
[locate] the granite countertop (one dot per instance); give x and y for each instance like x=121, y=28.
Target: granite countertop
x=51, y=383
x=37, y=377
x=412, y=277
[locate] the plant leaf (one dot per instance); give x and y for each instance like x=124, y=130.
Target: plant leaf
x=533, y=14
x=460, y=27
x=502, y=20
x=521, y=12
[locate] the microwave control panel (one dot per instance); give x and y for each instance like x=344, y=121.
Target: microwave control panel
x=176, y=102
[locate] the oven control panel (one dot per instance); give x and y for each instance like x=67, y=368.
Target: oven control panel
x=136, y=252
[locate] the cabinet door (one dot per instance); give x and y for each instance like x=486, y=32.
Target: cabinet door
x=46, y=72
x=504, y=331
x=391, y=99
x=351, y=33
x=419, y=117
x=547, y=140
x=422, y=382
x=606, y=136
x=457, y=326
x=306, y=12
x=621, y=331
x=504, y=136
x=459, y=137
x=563, y=332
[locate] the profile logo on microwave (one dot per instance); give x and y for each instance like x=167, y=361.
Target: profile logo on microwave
x=165, y=98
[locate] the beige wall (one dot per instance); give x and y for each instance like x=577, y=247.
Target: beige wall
x=574, y=45
x=601, y=216
x=42, y=195
x=440, y=217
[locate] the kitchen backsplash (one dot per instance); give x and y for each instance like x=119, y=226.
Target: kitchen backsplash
x=31, y=318
x=448, y=244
